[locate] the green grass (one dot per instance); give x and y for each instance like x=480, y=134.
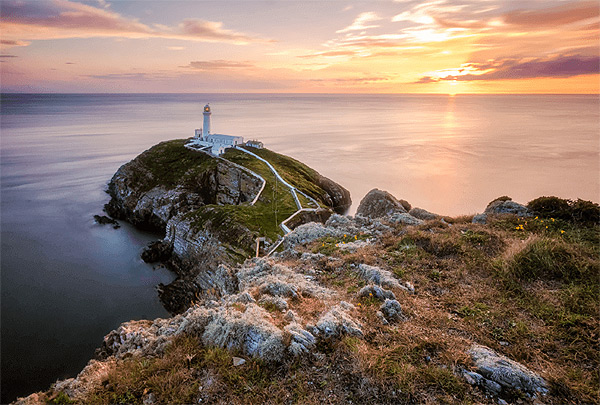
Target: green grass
x=273, y=206
x=170, y=164
x=294, y=172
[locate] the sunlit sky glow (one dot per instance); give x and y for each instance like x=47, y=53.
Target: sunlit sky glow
x=402, y=46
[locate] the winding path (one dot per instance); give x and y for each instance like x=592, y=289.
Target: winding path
x=293, y=190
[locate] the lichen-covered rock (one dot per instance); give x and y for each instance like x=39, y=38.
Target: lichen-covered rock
x=379, y=276
x=480, y=219
x=379, y=204
x=252, y=332
x=391, y=310
x=404, y=219
x=301, y=341
x=377, y=292
x=499, y=372
x=353, y=246
x=222, y=280
x=507, y=207
x=269, y=277
x=422, y=214
x=276, y=301
x=337, y=322
x=307, y=233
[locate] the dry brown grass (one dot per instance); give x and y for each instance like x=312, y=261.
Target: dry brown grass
x=466, y=292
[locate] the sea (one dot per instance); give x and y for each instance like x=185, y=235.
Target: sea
x=67, y=281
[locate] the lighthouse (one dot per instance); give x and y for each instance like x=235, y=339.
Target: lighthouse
x=206, y=125
x=215, y=144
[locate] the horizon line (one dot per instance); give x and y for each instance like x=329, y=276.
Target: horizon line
x=311, y=93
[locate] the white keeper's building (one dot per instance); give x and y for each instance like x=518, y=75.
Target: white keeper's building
x=213, y=143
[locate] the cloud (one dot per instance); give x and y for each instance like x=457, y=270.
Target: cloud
x=353, y=80
x=427, y=79
x=212, y=31
x=8, y=43
x=132, y=76
x=8, y=56
x=360, y=22
x=66, y=19
x=218, y=65
x=560, y=15
x=328, y=54
x=508, y=69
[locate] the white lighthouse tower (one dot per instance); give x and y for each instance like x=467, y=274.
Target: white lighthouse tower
x=215, y=144
x=206, y=125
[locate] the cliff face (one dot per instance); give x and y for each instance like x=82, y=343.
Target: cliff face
x=168, y=180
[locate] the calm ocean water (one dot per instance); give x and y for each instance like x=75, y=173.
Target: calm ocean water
x=66, y=281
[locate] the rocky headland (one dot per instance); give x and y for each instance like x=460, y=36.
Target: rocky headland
x=211, y=210
x=393, y=305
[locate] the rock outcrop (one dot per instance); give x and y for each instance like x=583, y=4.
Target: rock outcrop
x=501, y=206
x=379, y=204
x=498, y=374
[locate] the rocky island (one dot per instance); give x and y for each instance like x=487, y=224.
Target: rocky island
x=393, y=305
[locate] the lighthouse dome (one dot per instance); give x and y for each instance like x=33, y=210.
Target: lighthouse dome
x=206, y=108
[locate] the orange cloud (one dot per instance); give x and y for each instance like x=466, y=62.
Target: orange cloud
x=560, y=66
x=218, y=65
x=560, y=15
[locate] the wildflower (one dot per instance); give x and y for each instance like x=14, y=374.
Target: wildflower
x=552, y=219
x=355, y=237
x=370, y=294
x=344, y=235
x=546, y=226
x=358, y=304
x=561, y=231
x=323, y=244
x=536, y=218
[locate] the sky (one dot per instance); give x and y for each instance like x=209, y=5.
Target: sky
x=288, y=46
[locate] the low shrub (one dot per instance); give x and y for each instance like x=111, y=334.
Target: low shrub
x=579, y=211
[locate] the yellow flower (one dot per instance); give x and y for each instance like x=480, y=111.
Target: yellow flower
x=536, y=218
x=355, y=237
x=561, y=231
x=371, y=294
x=344, y=235
x=552, y=219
